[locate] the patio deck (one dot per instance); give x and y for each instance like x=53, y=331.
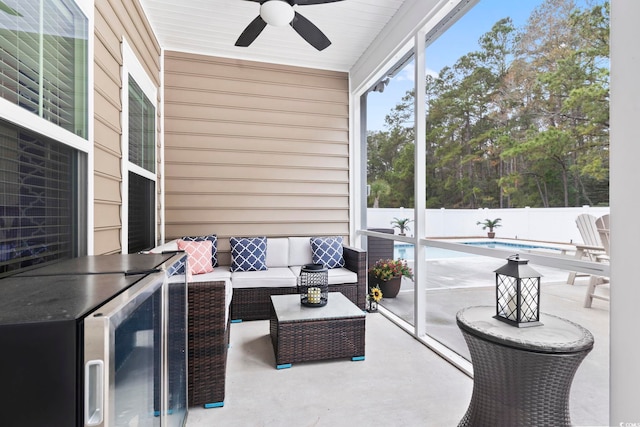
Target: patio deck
x=401, y=382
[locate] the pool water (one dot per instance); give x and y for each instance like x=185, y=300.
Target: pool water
x=405, y=251
x=509, y=245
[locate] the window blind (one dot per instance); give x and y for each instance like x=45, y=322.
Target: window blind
x=43, y=67
x=142, y=128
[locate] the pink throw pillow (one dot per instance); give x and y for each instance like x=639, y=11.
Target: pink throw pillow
x=199, y=254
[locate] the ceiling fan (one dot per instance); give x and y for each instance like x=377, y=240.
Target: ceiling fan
x=279, y=13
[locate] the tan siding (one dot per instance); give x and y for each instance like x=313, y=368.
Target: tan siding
x=110, y=211
x=115, y=19
x=250, y=188
x=179, y=127
x=223, y=171
x=109, y=162
x=106, y=240
x=107, y=190
x=259, y=201
x=317, y=119
x=185, y=96
x=254, y=149
x=106, y=136
x=202, y=157
x=261, y=144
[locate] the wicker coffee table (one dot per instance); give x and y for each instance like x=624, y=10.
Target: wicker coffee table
x=301, y=334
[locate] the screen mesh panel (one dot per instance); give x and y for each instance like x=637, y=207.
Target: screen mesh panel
x=38, y=221
x=141, y=213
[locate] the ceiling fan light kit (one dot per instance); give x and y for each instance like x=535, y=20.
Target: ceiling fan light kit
x=280, y=13
x=277, y=13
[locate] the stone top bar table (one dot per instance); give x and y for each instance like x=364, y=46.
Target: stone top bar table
x=522, y=376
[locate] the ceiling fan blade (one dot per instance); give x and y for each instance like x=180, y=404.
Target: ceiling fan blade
x=250, y=33
x=310, y=32
x=308, y=2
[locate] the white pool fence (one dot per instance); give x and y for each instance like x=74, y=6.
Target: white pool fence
x=542, y=224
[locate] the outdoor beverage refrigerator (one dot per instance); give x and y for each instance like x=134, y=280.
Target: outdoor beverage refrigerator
x=94, y=341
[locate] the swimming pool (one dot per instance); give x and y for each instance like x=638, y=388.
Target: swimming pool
x=405, y=251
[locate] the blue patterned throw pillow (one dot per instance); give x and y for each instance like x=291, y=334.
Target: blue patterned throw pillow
x=214, y=246
x=327, y=251
x=178, y=267
x=248, y=253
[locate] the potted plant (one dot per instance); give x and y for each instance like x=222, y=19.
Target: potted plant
x=490, y=224
x=387, y=275
x=402, y=224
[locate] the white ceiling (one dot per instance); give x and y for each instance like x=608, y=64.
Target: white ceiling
x=211, y=27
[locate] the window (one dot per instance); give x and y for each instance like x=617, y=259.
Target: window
x=43, y=171
x=141, y=212
x=142, y=129
x=43, y=67
x=139, y=141
x=40, y=221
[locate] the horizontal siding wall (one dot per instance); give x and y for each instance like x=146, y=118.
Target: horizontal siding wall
x=115, y=19
x=254, y=149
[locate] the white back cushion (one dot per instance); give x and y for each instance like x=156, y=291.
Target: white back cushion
x=277, y=252
x=299, y=251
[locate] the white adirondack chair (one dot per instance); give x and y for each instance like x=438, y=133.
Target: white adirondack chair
x=602, y=225
x=591, y=247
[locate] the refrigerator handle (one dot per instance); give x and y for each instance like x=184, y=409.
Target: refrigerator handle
x=94, y=392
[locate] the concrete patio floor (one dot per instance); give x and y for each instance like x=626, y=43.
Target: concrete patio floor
x=401, y=382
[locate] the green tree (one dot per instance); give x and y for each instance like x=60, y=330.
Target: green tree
x=522, y=121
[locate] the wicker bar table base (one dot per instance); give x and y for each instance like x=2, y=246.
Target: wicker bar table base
x=301, y=334
x=522, y=376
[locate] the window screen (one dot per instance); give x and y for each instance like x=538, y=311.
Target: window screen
x=38, y=200
x=43, y=66
x=141, y=213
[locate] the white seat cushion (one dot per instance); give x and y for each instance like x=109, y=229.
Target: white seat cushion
x=271, y=278
x=336, y=276
x=342, y=275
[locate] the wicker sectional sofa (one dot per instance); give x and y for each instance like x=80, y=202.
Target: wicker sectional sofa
x=285, y=257
x=219, y=297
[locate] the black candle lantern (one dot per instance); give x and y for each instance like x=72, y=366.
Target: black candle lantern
x=518, y=293
x=313, y=285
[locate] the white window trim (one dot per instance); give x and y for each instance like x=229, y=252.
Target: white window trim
x=132, y=66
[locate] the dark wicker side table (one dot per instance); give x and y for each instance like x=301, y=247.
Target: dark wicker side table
x=522, y=376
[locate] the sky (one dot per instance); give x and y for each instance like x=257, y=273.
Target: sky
x=461, y=38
